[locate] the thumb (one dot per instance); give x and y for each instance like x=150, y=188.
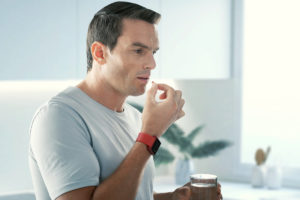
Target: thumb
x=152, y=91
x=183, y=193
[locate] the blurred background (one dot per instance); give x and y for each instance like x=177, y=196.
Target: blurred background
x=236, y=61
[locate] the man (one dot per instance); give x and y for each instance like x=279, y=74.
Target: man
x=87, y=142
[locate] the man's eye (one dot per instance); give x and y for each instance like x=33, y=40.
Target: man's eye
x=138, y=51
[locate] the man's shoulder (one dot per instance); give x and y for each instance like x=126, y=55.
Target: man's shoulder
x=57, y=116
x=60, y=105
x=53, y=112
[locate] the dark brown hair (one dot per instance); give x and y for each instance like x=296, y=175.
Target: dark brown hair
x=106, y=26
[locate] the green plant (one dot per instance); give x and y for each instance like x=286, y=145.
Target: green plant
x=184, y=142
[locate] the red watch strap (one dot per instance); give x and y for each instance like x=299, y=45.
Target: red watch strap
x=147, y=140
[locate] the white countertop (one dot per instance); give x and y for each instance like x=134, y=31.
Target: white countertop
x=235, y=191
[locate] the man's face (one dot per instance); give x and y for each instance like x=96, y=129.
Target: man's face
x=129, y=64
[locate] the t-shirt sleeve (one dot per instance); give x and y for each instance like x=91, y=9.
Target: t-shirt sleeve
x=61, y=145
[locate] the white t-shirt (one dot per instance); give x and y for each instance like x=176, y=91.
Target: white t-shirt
x=76, y=142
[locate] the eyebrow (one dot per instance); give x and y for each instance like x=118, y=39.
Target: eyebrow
x=143, y=46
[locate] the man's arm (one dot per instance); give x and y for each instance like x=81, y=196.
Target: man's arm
x=123, y=183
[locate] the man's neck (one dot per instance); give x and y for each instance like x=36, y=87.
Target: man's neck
x=100, y=91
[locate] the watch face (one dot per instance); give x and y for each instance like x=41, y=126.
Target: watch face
x=155, y=146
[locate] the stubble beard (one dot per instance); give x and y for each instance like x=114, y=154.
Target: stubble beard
x=137, y=91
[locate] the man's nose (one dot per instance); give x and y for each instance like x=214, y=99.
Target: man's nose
x=151, y=63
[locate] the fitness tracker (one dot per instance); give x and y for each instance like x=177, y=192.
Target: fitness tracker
x=152, y=142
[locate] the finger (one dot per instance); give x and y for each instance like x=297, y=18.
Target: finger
x=178, y=94
x=181, y=103
x=219, y=197
x=181, y=114
x=177, y=97
x=163, y=96
x=167, y=89
x=187, y=184
x=184, y=191
x=152, y=91
x=219, y=188
x=164, y=87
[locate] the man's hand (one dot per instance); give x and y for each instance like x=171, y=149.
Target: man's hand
x=158, y=116
x=219, y=193
x=184, y=192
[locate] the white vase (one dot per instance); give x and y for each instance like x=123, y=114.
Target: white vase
x=184, y=168
x=258, y=176
x=273, y=177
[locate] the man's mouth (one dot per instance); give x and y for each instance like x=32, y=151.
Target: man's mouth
x=144, y=78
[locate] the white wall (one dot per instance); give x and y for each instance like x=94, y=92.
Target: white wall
x=207, y=101
x=212, y=103
x=18, y=103
x=46, y=40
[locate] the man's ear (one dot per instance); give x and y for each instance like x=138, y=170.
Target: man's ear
x=98, y=51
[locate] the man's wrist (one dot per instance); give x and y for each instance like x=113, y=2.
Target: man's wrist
x=149, y=131
x=152, y=142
